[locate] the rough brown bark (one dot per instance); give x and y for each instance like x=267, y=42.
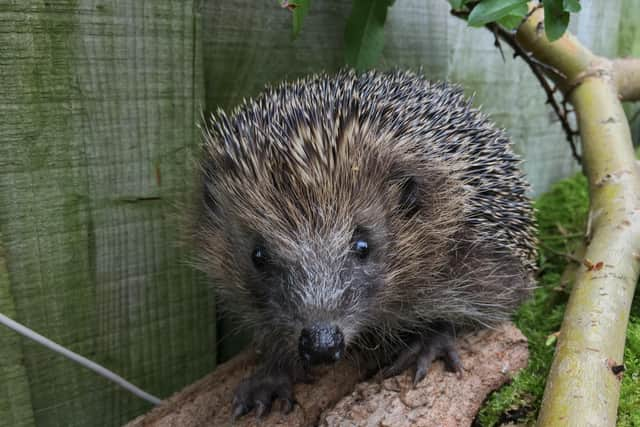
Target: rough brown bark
x=490, y=358
x=443, y=400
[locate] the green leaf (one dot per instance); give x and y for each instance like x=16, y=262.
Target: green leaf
x=493, y=10
x=299, y=9
x=511, y=21
x=572, y=6
x=364, y=33
x=556, y=19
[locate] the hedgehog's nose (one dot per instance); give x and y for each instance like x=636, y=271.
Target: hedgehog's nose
x=321, y=343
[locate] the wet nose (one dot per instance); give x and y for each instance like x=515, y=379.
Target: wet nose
x=321, y=343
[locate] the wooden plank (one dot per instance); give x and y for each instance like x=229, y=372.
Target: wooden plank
x=99, y=105
x=15, y=396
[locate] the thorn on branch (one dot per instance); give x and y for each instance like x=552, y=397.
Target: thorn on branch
x=550, y=69
x=566, y=106
x=496, y=41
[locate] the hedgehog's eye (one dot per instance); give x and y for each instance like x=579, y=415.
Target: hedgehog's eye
x=361, y=248
x=259, y=257
x=360, y=241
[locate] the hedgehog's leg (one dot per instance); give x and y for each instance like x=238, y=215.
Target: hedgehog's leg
x=438, y=346
x=438, y=342
x=260, y=390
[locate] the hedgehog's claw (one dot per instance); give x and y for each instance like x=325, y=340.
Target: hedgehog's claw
x=421, y=354
x=444, y=350
x=260, y=391
x=406, y=359
x=239, y=409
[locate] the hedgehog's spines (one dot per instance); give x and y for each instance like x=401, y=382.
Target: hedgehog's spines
x=305, y=120
x=301, y=132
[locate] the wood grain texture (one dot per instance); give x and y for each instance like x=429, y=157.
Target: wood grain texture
x=490, y=358
x=99, y=102
x=15, y=396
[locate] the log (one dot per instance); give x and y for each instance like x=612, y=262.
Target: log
x=490, y=359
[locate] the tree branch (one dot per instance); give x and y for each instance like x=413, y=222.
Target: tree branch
x=581, y=388
x=538, y=68
x=626, y=72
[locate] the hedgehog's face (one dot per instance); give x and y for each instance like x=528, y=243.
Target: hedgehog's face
x=311, y=265
x=303, y=262
x=316, y=287
x=317, y=221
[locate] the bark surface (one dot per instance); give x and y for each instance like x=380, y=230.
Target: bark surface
x=490, y=359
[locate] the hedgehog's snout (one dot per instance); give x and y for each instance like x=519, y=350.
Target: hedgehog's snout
x=321, y=343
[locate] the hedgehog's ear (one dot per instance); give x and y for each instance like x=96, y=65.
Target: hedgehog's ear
x=208, y=199
x=409, y=199
x=409, y=190
x=209, y=202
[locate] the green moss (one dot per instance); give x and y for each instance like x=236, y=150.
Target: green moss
x=561, y=215
x=629, y=410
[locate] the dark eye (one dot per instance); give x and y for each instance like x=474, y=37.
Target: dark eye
x=259, y=257
x=361, y=247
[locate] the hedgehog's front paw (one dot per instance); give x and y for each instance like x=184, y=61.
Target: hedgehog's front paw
x=260, y=391
x=422, y=352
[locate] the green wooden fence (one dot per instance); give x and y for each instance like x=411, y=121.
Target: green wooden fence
x=98, y=105
x=98, y=102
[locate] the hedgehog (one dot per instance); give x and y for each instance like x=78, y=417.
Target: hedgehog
x=376, y=215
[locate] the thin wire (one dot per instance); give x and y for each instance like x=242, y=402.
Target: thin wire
x=23, y=330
